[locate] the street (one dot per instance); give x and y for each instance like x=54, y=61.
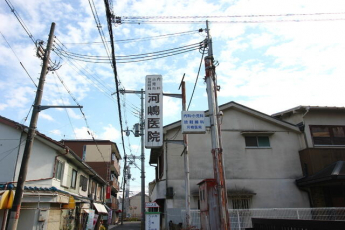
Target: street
x=135, y=225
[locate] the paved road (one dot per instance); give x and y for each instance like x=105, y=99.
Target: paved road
x=135, y=225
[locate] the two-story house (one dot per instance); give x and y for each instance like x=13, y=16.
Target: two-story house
x=323, y=157
x=261, y=163
x=104, y=157
x=61, y=191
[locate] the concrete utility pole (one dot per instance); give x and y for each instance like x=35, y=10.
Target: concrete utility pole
x=141, y=133
x=217, y=151
x=15, y=211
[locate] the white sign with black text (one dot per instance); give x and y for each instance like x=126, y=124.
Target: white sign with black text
x=153, y=111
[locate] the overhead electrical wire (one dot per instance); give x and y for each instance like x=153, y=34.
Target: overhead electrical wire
x=231, y=16
x=82, y=112
x=18, y=59
x=234, y=22
x=139, y=39
x=106, y=90
x=133, y=58
x=21, y=21
x=99, y=27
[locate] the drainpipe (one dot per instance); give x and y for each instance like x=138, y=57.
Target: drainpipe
x=305, y=136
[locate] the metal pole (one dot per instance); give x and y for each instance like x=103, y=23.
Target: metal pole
x=217, y=150
x=142, y=162
x=186, y=161
x=15, y=211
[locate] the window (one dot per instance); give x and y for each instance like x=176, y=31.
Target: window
x=257, y=141
x=74, y=178
x=328, y=135
x=59, y=170
x=83, y=183
x=241, y=202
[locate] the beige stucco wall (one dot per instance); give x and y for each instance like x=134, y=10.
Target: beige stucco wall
x=268, y=172
x=100, y=154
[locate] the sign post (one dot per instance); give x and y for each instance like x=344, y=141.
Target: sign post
x=152, y=219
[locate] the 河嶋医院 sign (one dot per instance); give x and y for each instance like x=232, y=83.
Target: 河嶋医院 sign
x=193, y=122
x=153, y=111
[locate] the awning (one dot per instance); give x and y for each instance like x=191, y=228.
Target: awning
x=6, y=199
x=70, y=204
x=100, y=208
x=332, y=173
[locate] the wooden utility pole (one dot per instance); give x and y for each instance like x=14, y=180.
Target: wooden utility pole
x=216, y=137
x=15, y=211
x=186, y=158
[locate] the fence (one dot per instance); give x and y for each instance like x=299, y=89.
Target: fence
x=241, y=219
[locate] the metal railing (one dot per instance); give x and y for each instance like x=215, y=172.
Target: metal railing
x=241, y=219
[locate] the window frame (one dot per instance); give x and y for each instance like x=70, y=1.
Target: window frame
x=83, y=183
x=74, y=178
x=59, y=174
x=331, y=134
x=257, y=142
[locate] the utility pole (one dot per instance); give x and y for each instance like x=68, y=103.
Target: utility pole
x=141, y=133
x=186, y=158
x=216, y=137
x=15, y=211
x=123, y=188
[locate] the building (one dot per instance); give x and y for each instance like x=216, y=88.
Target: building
x=133, y=209
x=261, y=163
x=61, y=191
x=323, y=156
x=104, y=157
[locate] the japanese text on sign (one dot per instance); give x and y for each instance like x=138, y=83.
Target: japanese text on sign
x=153, y=111
x=193, y=122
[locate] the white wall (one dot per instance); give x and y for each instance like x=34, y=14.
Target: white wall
x=9, y=147
x=269, y=172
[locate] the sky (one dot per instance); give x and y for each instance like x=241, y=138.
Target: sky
x=269, y=63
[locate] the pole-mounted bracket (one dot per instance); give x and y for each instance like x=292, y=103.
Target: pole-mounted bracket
x=39, y=108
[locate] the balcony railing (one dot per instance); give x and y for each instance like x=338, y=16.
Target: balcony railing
x=116, y=166
x=115, y=184
x=240, y=219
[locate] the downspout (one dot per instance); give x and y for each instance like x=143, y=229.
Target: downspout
x=306, y=143
x=305, y=136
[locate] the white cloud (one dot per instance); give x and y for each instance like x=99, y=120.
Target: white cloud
x=46, y=116
x=83, y=133
x=56, y=132
x=110, y=133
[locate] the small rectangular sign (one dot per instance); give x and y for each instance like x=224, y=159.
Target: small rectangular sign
x=193, y=122
x=151, y=205
x=153, y=111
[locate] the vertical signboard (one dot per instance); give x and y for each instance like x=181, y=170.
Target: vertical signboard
x=153, y=111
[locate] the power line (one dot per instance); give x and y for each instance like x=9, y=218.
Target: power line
x=196, y=80
x=235, y=22
x=18, y=59
x=140, y=39
x=20, y=20
x=133, y=58
x=99, y=27
x=82, y=112
x=230, y=16
x=118, y=57
x=57, y=86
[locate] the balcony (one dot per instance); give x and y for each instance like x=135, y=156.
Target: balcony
x=114, y=204
x=115, y=166
x=115, y=184
x=315, y=159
